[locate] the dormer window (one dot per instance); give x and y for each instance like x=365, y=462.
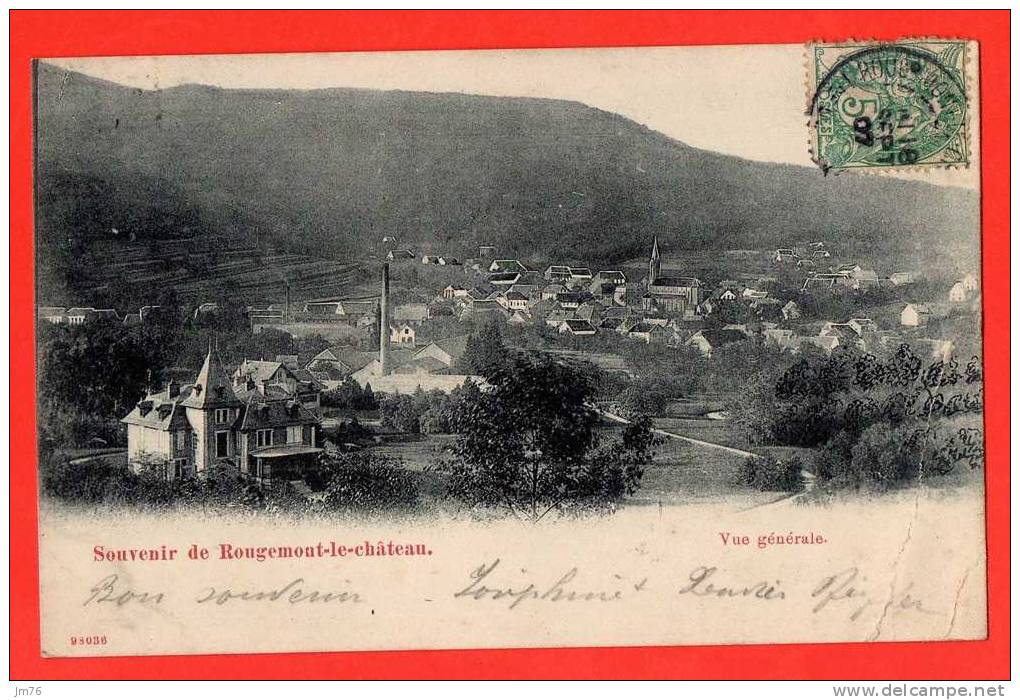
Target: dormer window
x=223, y=415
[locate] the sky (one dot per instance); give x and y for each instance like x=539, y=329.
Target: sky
x=746, y=101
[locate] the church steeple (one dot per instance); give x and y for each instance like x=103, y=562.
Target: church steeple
x=654, y=263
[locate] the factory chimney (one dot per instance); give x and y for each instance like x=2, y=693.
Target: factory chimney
x=384, y=322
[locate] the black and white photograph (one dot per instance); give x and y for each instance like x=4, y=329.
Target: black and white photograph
x=548, y=347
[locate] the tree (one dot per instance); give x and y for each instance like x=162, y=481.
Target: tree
x=531, y=444
x=486, y=352
x=878, y=420
x=96, y=368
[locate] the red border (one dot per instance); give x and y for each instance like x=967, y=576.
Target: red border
x=82, y=33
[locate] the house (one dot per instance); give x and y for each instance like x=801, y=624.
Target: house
x=415, y=314
x=486, y=252
x=550, y=291
x=570, y=300
x=430, y=260
x=825, y=343
x=507, y=266
x=958, y=292
x=513, y=300
x=195, y=428
x=642, y=331
x=421, y=367
x=580, y=276
x=710, y=339
x=445, y=350
x=914, y=315
x=863, y=325
x=53, y=314
x=739, y=328
x=372, y=371
x=541, y=307
x=275, y=379
x=504, y=279
x=262, y=309
x=845, y=333
x=402, y=334
x=790, y=311
x=520, y=317
x=334, y=364
x=403, y=254
x=448, y=260
x=482, y=292
x=323, y=307
x=557, y=273
x=783, y=255
x=827, y=280
x=482, y=311
x=899, y=279
x=610, y=287
x=454, y=291
x=864, y=279
x=557, y=316
x=576, y=326
x=590, y=311
x=78, y=315
x=288, y=361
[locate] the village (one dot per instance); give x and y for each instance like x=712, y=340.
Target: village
x=266, y=415
x=783, y=306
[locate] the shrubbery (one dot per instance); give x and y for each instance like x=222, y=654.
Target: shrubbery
x=362, y=482
x=877, y=421
x=767, y=473
x=351, y=396
x=426, y=412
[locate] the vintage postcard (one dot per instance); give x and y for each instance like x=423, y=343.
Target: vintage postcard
x=491, y=349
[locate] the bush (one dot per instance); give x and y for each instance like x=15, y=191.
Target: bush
x=87, y=481
x=358, y=481
x=766, y=473
x=643, y=398
x=350, y=395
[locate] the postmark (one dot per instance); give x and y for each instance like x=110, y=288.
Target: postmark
x=889, y=106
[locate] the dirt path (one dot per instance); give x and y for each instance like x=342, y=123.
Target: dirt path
x=809, y=478
x=677, y=436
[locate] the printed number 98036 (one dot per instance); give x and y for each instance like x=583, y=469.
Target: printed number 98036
x=93, y=640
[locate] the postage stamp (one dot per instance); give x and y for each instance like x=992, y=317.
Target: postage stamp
x=889, y=106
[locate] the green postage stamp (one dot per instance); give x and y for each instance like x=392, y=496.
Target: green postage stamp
x=892, y=105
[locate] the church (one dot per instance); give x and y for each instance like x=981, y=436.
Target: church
x=668, y=293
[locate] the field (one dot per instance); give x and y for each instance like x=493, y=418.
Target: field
x=679, y=473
